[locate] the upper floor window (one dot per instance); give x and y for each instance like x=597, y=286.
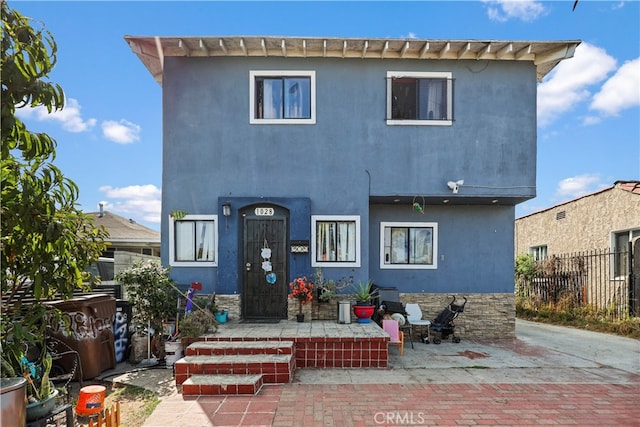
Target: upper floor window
x=409, y=245
x=282, y=97
x=335, y=241
x=539, y=252
x=419, y=98
x=193, y=241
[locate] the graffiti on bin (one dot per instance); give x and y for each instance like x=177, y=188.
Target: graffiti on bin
x=80, y=326
x=121, y=335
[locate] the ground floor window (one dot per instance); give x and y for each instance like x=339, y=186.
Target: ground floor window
x=193, y=241
x=539, y=252
x=335, y=241
x=620, y=262
x=409, y=245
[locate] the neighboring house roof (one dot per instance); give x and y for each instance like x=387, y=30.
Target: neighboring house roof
x=544, y=54
x=123, y=230
x=630, y=186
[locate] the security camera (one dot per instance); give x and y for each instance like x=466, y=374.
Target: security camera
x=455, y=186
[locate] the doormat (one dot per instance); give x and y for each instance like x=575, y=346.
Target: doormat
x=260, y=321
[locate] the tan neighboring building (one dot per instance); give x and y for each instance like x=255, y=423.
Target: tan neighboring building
x=609, y=218
x=127, y=235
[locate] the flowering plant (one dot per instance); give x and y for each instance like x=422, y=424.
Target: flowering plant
x=302, y=290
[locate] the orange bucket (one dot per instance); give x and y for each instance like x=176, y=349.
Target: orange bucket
x=91, y=400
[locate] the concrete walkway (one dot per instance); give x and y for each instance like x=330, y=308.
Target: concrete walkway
x=547, y=375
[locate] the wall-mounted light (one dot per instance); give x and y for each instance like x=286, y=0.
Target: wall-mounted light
x=226, y=209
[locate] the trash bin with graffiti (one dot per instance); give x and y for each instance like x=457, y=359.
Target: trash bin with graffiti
x=90, y=319
x=121, y=331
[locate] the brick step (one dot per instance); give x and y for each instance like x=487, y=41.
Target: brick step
x=210, y=348
x=213, y=385
x=275, y=368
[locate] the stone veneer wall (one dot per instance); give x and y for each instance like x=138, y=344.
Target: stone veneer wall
x=231, y=303
x=486, y=316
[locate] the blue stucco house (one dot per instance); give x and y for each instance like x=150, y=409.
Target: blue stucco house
x=395, y=160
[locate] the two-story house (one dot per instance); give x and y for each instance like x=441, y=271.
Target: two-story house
x=395, y=160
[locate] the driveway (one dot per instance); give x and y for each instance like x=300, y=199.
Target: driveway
x=547, y=375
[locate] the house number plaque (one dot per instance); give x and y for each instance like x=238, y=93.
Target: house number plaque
x=264, y=211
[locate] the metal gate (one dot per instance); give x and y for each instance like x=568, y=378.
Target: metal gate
x=265, y=237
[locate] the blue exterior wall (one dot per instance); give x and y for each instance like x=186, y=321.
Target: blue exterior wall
x=211, y=153
x=473, y=246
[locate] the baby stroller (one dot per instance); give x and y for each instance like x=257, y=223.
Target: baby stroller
x=442, y=326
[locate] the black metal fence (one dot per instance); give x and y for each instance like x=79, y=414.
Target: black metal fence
x=603, y=280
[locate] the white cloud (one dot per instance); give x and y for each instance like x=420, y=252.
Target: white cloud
x=504, y=10
x=576, y=186
x=122, y=132
x=70, y=117
x=618, y=5
x=568, y=84
x=139, y=202
x=620, y=92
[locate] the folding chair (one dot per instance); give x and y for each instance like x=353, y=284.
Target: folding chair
x=397, y=336
x=414, y=316
x=397, y=311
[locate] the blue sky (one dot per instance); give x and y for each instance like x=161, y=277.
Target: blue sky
x=109, y=133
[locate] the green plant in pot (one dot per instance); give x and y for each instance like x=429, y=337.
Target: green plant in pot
x=364, y=293
x=328, y=288
x=196, y=324
x=153, y=295
x=24, y=354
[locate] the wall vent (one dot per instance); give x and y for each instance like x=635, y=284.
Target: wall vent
x=561, y=215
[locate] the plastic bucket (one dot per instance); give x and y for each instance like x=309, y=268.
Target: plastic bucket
x=221, y=316
x=91, y=400
x=172, y=352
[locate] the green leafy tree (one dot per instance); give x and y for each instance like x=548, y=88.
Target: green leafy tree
x=46, y=241
x=151, y=291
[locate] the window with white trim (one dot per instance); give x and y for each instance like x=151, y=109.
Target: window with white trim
x=419, y=98
x=282, y=97
x=409, y=245
x=539, y=252
x=335, y=241
x=620, y=245
x=193, y=241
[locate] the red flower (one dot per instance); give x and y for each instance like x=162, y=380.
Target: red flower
x=302, y=290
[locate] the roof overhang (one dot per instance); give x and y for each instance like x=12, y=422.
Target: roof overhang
x=544, y=54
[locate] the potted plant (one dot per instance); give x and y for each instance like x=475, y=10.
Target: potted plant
x=302, y=290
x=328, y=288
x=195, y=324
x=364, y=293
x=24, y=354
x=153, y=296
x=221, y=314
